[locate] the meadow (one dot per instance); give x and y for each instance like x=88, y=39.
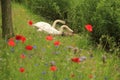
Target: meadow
x=41, y=58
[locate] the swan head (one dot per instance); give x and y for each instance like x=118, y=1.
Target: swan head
x=63, y=22
x=67, y=33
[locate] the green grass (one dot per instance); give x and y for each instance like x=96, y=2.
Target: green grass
x=37, y=61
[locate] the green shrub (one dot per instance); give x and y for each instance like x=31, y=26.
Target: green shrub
x=82, y=14
x=103, y=15
x=75, y=19
x=50, y=9
x=19, y=1
x=106, y=21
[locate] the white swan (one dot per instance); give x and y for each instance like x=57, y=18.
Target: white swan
x=46, y=27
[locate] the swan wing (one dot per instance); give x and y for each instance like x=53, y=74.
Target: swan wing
x=41, y=24
x=46, y=27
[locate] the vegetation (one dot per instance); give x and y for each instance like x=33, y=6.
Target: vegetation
x=23, y=64
x=103, y=15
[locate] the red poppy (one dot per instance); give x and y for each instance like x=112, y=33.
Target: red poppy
x=11, y=43
x=22, y=70
x=22, y=56
x=30, y=22
x=23, y=39
x=77, y=60
x=29, y=47
x=18, y=37
x=11, y=39
x=57, y=43
x=89, y=27
x=53, y=68
x=49, y=38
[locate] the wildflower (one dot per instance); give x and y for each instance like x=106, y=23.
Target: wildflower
x=53, y=68
x=22, y=56
x=29, y=47
x=11, y=43
x=22, y=70
x=35, y=47
x=11, y=39
x=89, y=27
x=57, y=43
x=23, y=39
x=77, y=60
x=30, y=22
x=19, y=37
x=49, y=38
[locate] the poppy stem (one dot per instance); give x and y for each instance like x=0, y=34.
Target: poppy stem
x=54, y=76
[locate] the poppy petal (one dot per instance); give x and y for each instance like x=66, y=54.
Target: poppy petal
x=89, y=27
x=53, y=68
x=29, y=47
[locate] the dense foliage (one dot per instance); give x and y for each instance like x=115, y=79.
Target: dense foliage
x=103, y=15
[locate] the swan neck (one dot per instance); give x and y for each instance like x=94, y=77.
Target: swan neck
x=54, y=24
x=56, y=21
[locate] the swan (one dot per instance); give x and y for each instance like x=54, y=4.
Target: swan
x=50, y=29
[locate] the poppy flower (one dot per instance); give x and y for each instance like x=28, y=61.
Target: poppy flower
x=30, y=22
x=57, y=43
x=29, y=47
x=77, y=60
x=49, y=38
x=18, y=37
x=11, y=39
x=11, y=43
x=89, y=27
x=23, y=39
x=22, y=69
x=22, y=56
x=53, y=68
